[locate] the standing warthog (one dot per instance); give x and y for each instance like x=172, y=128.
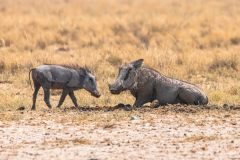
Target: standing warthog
x=67, y=78
x=148, y=85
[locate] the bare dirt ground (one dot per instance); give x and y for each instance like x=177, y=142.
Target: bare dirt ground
x=169, y=132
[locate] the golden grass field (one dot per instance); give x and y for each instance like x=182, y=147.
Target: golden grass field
x=197, y=41
x=194, y=40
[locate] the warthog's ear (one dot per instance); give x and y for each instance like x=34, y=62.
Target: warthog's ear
x=82, y=72
x=138, y=63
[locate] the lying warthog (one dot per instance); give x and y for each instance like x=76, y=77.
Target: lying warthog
x=67, y=78
x=148, y=85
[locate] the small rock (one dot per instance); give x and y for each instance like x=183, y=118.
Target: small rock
x=225, y=106
x=146, y=125
x=135, y=118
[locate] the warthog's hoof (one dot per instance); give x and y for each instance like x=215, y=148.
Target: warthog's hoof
x=155, y=104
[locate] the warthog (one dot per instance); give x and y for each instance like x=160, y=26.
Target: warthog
x=148, y=85
x=68, y=78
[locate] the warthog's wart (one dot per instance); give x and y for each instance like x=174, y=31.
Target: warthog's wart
x=67, y=78
x=148, y=85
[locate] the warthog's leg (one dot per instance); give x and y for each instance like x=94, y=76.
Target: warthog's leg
x=143, y=96
x=46, y=97
x=138, y=103
x=36, y=89
x=74, y=99
x=187, y=96
x=63, y=96
x=141, y=100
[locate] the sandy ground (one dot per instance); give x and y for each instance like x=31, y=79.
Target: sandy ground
x=163, y=133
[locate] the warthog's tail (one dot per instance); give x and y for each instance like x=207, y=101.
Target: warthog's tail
x=29, y=74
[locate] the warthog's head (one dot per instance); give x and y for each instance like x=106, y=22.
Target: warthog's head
x=89, y=82
x=126, y=77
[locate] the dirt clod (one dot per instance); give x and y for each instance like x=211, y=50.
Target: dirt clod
x=21, y=108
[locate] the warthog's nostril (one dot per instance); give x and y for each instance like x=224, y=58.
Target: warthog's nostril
x=112, y=89
x=96, y=94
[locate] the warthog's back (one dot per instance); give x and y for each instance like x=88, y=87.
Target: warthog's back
x=59, y=76
x=55, y=73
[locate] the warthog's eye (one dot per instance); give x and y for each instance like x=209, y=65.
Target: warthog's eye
x=127, y=75
x=91, y=80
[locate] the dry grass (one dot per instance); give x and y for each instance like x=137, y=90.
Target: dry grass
x=197, y=41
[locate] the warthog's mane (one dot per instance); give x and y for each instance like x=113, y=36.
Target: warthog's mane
x=73, y=66
x=147, y=67
x=152, y=69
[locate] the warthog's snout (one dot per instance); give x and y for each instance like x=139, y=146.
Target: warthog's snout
x=96, y=94
x=114, y=89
